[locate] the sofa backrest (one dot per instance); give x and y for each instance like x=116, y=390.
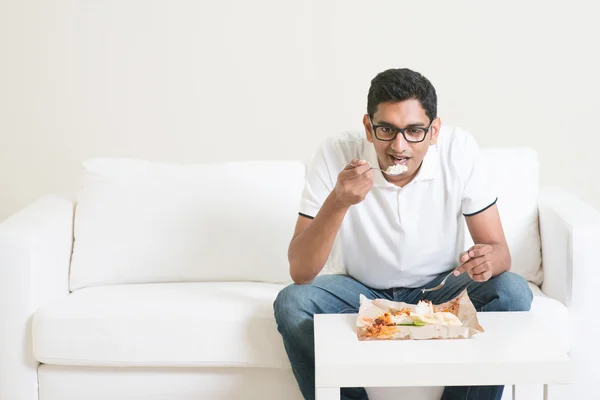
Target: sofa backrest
x=514, y=172
x=140, y=222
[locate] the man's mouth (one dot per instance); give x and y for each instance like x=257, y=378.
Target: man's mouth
x=399, y=160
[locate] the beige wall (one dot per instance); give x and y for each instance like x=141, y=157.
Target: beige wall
x=193, y=81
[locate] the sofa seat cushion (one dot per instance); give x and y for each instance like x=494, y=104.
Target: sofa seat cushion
x=163, y=324
x=183, y=324
x=554, y=315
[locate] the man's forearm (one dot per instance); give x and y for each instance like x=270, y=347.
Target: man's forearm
x=501, y=259
x=308, y=252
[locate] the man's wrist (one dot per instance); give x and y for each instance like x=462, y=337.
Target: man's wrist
x=501, y=261
x=336, y=205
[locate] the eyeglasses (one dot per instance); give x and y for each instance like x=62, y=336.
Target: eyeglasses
x=412, y=134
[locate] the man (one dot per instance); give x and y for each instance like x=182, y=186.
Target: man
x=397, y=234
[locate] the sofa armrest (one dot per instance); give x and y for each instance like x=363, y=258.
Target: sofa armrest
x=35, y=252
x=570, y=234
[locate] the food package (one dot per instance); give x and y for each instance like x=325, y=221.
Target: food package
x=382, y=319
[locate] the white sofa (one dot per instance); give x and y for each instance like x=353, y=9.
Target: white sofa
x=157, y=282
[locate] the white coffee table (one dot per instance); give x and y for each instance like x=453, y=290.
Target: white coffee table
x=514, y=349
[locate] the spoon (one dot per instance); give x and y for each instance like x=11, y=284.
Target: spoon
x=391, y=171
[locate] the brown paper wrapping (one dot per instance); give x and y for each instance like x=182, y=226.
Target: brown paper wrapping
x=461, y=306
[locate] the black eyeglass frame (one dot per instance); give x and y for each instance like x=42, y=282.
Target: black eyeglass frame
x=399, y=130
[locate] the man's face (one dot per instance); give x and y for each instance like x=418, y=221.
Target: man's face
x=404, y=114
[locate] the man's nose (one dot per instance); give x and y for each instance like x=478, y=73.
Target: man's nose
x=400, y=144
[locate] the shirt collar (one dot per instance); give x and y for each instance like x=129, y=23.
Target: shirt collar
x=429, y=167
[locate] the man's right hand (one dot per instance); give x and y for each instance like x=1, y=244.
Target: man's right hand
x=313, y=238
x=353, y=183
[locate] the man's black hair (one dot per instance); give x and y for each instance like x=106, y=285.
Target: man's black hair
x=399, y=85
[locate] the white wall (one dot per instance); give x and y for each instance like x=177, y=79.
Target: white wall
x=165, y=80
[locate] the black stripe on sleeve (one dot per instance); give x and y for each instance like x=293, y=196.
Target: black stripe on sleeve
x=307, y=216
x=482, y=210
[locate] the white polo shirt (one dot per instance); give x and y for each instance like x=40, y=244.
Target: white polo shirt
x=402, y=236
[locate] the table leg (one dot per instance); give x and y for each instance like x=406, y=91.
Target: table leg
x=514, y=392
x=328, y=393
x=545, y=392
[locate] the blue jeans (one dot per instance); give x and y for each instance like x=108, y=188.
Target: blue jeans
x=296, y=305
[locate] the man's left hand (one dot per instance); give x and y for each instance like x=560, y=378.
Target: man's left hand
x=477, y=262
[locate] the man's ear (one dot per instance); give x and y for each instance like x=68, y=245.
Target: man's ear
x=367, y=124
x=435, y=130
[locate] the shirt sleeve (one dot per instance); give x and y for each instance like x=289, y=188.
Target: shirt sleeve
x=319, y=182
x=478, y=192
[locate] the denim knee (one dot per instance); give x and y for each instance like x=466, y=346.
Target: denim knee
x=512, y=291
x=292, y=305
x=299, y=302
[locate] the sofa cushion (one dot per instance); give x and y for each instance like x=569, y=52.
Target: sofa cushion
x=514, y=173
x=141, y=222
x=169, y=324
x=180, y=325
